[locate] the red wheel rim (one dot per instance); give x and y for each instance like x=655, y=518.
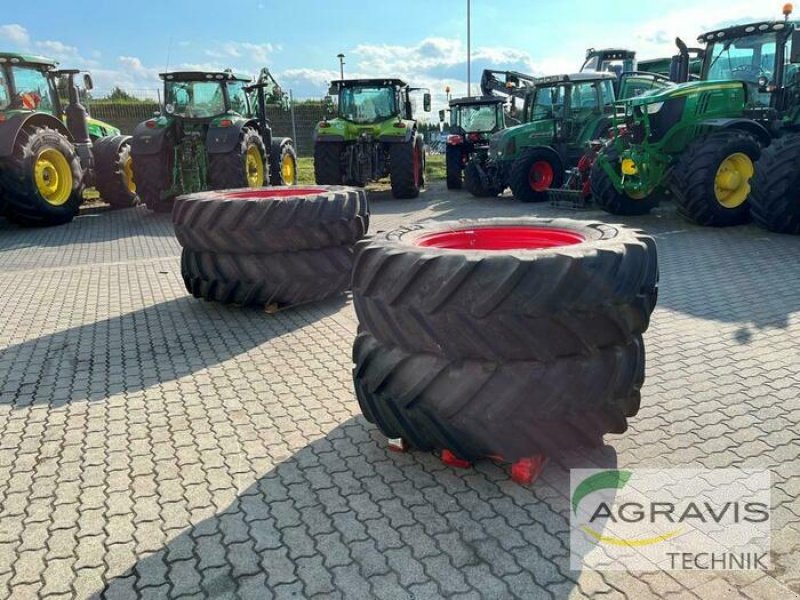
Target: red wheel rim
x=541, y=175
x=268, y=193
x=523, y=237
x=417, y=166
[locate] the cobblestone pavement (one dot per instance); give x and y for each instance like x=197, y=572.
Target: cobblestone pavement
x=156, y=446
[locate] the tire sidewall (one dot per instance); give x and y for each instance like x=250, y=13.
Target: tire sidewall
x=43, y=139
x=520, y=176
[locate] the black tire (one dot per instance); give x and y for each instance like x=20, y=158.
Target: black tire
x=454, y=167
x=607, y=197
x=694, y=178
x=775, y=197
x=271, y=219
x=512, y=409
x=153, y=176
x=406, y=168
x=112, y=159
x=282, y=150
x=229, y=170
x=520, y=180
x=328, y=163
x=475, y=183
x=24, y=203
x=514, y=305
x=282, y=278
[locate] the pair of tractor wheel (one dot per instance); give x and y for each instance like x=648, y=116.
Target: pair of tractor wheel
x=42, y=182
x=275, y=246
x=502, y=337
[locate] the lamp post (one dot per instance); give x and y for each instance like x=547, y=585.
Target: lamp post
x=447, y=92
x=469, y=50
x=341, y=65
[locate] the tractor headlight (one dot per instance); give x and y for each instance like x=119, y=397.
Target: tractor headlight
x=654, y=108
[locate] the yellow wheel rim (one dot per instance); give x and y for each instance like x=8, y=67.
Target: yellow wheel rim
x=288, y=169
x=53, y=177
x=732, y=181
x=127, y=174
x=254, y=167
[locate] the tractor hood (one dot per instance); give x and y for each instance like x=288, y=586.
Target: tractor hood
x=505, y=144
x=683, y=90
x=342, y=130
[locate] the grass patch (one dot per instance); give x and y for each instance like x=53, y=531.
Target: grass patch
x=434, y=168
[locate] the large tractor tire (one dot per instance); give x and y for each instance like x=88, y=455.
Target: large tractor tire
x=476, y=184
x=512, y=409
x=244, y=166
x=534, y=172
x=328, y=163
x=506, y=289
x=454, y=167
x=775, y=197
x=114, y=167
x=407, y=168
x=711, y=181
x=41, y=181
x=153, y=176
x=272, y=219
x=282, y=278
x=611, y=200
x=282, y=162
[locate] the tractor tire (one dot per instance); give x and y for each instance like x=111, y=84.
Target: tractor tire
x=114, y=168
x=775, y=198
x=153, y=176
x=406, y=168
x=534, y=172
x=244, y=166
x=33, y=204
x=698, y=173
x=454, y=167
x=431, y=287
x=611, y=200
x=475, y=183
x=328, y=163
x=282, y=278
x=272, y=219
x=511, y=409
x=283, y=162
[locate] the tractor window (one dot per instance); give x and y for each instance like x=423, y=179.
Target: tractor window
x=195, y=99
x=32, y=90
x=5, y=98
x=477, y=118
x=583, y=98
x=743, y=59
x=237, y=97
x=607, y=96
x=548, y=103
x=367, y=104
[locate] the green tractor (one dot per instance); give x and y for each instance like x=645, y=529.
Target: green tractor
x=213, y=133
x=373, y=135
x=560, y=116
x=50, y=151
x=701, y=139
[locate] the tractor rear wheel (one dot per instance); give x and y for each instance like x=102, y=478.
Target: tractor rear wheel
x=243, y=166
x=283, y=163
x=153, y=176
x=610, y=199
x=775, y=199
x=114, y=165
x=454, y=166
x=41, y=180
x=533, y=173
x=328, y=163
x=711, y=181
x=406, y=168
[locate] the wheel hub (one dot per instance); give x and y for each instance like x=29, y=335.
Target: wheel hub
x=732, y=181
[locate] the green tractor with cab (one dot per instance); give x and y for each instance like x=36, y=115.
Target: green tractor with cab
x=702, y=140
x=213, y=133
x=50, y=150
x=373, y=135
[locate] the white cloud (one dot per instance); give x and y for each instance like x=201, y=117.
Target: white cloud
x=258, y=53
x=16, y=35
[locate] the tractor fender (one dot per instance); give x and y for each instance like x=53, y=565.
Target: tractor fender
x=399, y=139
x=278, y=143
x=757, y=130
x=146, y=140
x=554, y=155
x=10, y=129
x=221, y=140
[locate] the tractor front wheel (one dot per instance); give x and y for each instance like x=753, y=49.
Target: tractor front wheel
x=775, y=199
x=711, y=181
x=115, y=180
x=41, y=180
x=406, y=168
x=611, y=200
x=454, y=164
x=282, y=163
x=153, y=176
x=243, y=166
x=476, y=184
x=533, y=173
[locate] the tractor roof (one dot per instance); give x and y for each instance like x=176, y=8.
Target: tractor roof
x=610, y=53
x=476, y=100
x=367, y=82
x=29, y=59
x=204, y=76
x=569, y=77
x=747, y=29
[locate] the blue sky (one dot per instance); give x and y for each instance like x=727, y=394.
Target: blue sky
x=127, y=44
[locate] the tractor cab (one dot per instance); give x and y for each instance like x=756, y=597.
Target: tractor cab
x=205, y=95
x=27, y=83
x=477, y=117
x=609, y=60
x=371, y=101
